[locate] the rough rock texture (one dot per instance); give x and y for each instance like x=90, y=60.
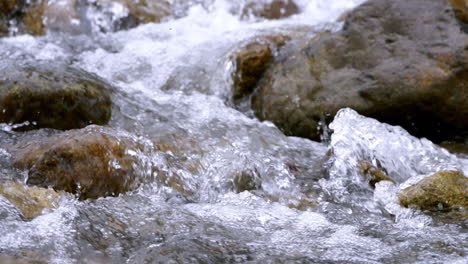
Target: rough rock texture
x=52, y=96
x=31, y=201
x=251, y=62
x=23, y=17
x=401, y=62
x=448, y=189
x=91, y=162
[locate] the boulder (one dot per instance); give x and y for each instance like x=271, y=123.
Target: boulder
x=401, y=62
x=447, y=189
x=91, y=162
x=31, y=201
x=52, y=96
x=270, y=9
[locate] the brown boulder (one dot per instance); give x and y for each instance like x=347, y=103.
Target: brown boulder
x=401, y=62
x=91, y=162
x=447, y=189
x=52, y=96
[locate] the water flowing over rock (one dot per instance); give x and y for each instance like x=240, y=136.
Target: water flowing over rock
x=402, y=62
x=183, y=173
x=92, y=162
x=447, y=189
x=365, y=151
x=125, y=14
x=78, y=16
x=52, y=95
x=269, y=9
x=31, y=201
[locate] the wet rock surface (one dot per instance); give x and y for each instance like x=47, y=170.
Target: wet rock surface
x=402, y=62
x=373, y=173
x=251, y=62
x=138, y=12
x=460, y=9
x=447, y=189
x=31, y=201
x=78, y=16
x=92, y=162
x=52, y=96
x=22, y=17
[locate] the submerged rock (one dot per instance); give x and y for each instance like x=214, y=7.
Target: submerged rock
x=447, y=189
x=91, y=162
x=402, y=62
x=52, y=96
x=31, y=201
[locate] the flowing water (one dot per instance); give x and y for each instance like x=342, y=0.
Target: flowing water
x=305, y=202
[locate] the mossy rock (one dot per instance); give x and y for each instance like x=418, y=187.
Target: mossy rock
x=31, y=201
x=447, y=189
x=92, y=162
x=52, y=96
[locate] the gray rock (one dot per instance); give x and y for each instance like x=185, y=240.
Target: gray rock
x=52, y=96
x=401, y=62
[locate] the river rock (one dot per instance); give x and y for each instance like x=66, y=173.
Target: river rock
x=24, y=17
x=91, y=162
x=270, y=9
x=401, y=62
x=448, y=189
x=138, y=12
x=31, y=201
x=460, y=9
x=251, y=61
x=373, y=173
x=52, y=96
x=35, y=17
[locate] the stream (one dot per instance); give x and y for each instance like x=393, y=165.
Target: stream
x=172, y=85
